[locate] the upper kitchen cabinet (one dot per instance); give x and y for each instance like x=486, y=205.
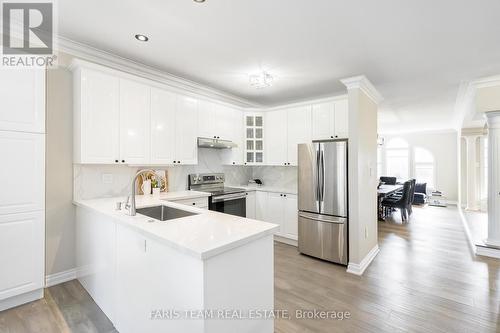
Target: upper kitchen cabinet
x=163, y=110
x=22, y=92
x=134, y=122
x=186, y=130
x=276, y=137
x=235, y=133
x=298, y=131
x=253, y=139
x=330, y=120
x=96, y=117
x=207, y=119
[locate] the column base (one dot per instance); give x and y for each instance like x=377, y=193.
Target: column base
x=492, y=243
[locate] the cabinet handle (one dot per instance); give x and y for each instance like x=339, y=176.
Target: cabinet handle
x=116, y=161
x=178, y=161
x=194, y=203
x=336, y=136
x=284, y=195
x=123, y=161
x=234, y=163
x=215, y=137
x=281, y=195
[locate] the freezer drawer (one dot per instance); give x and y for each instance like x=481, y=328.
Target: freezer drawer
x=324, y=237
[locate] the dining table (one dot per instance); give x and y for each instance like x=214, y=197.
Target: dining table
x=383, y=191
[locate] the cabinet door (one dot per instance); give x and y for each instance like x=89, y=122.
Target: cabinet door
x=22, y=98
x=134, y=122
x=206, y=119
x=234, y=156
x=341, y=119
x=275, y=210
x=100, y=116
x=186, y=120
x=290, y=220
x=276, y=137
x=298, y=131
x=163, y=106
x=250, y=203
x=261, y=205
x=323, y=121
x=23, y=172
x=132, y=290
x=224, y=122
x=22, y=248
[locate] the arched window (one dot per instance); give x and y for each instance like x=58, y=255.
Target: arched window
x=424, y=166
x=397, y=158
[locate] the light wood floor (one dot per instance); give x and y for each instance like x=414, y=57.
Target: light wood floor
x=423, y=280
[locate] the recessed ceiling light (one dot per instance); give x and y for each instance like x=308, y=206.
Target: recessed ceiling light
x=261, y=80
x=141, y=38
x=199, y=1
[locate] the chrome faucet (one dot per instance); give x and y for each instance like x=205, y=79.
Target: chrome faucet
x=130, y=204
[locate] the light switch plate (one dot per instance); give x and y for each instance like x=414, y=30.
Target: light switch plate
x=107, y=178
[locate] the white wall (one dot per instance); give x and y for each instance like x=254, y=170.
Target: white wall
x=363, y=236
x=443, y=145
x=60, y=213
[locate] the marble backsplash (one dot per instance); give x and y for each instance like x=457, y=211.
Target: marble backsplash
x=97, y=181
x=277, y=176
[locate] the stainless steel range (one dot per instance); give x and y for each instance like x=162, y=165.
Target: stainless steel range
x=223, y=199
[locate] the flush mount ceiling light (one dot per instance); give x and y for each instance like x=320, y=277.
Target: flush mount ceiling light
x=199, y=1
x=261, y=80
x=141, y=38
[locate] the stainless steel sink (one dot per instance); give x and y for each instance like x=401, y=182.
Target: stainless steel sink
x=164, y=213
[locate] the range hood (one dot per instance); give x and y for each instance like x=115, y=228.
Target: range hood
x=216, y=143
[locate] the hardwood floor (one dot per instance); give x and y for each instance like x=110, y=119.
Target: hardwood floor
x=423, y=280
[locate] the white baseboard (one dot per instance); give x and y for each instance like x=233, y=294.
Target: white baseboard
x=57, y=278
x=14, y=301
x=488, y=251
x=359, y=269
x=285, y=240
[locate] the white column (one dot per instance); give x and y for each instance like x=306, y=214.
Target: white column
x=493, y=119
x=472, y=175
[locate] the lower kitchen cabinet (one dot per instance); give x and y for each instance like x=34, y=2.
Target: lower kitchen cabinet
x=278, y=208
x=250, y=204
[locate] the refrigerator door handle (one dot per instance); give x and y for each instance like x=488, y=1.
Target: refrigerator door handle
x=322, y=166
x=318, y=179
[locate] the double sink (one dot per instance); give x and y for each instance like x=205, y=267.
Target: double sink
x=164, y=213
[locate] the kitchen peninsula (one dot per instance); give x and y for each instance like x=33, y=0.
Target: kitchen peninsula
x=149, y=275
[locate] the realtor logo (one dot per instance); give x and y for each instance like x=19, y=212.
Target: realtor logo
x=28, y=33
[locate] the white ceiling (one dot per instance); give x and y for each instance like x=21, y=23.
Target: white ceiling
x=416, y=53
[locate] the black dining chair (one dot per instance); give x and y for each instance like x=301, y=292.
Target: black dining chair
x=399, y=194
x=400, y=202
x=388, y=180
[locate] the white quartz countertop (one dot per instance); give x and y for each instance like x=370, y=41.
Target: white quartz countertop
x=180, y=195
x=265, y=188
x=204, y=235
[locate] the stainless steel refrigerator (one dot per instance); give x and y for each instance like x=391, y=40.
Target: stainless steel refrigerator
x=323, y=202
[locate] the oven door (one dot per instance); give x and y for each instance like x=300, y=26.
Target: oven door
x=233, y=204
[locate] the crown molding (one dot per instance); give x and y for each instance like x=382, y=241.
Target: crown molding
x=113, y=61
x=362, y=82
x=305, y=102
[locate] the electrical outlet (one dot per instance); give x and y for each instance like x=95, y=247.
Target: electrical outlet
x=107, y=178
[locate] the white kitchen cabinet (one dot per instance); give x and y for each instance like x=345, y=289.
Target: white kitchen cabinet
x=22, y=257
x=323, y=121
x=341, y=119
x=261, y=205
x=290, y=217
x=275, y=209
x=234, y=156
x=278, y=208
x=96, y=117
x=186, y=130
x=135, y=112
x=22, y=94
x=298, y=131
x=253, y=139
x=23, y=172
x=224, y=123
x=163, y=109
x=207, y=119
x=250, y=204
x=330, y=120
x=276, y=137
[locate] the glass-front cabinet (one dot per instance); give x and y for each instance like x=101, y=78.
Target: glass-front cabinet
x=254, y=138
